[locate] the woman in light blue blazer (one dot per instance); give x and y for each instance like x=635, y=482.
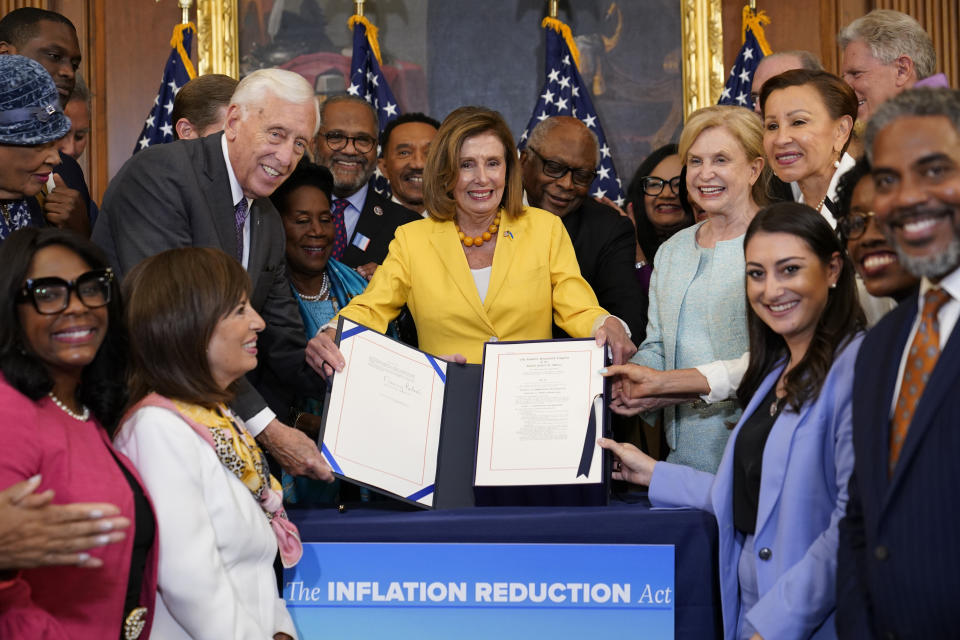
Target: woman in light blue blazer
x=781, y=487
x=697, y=312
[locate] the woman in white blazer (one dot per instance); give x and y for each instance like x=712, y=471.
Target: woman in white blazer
x=781, y=487
x=219, y=512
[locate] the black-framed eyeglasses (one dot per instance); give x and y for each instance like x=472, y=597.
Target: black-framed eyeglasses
x=337, y=141
x=52, y=295
x=854, y=224
x=653, y=186
x=556, y=170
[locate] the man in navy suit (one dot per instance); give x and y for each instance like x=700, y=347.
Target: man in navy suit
x=347, y=145
x=899, y=561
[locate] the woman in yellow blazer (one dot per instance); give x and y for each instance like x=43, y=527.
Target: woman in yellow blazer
x=482, y=266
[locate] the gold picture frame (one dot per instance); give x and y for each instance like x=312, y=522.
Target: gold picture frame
x=702, y=44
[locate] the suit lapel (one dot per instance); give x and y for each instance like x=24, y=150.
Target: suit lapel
x=874, y=383
x=216, y=192
x=943, y=381
x=511, y=232
x=447, y=245
x=775, y=455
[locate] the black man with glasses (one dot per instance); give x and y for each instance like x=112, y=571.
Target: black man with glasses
x=558, y=166
x=364, y=220
x=214, y=192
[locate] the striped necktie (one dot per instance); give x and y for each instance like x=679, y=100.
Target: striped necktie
x=924, y=352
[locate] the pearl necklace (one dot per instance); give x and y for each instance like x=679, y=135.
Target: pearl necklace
x=324, y=291
x=471, y=241
x=82, y=417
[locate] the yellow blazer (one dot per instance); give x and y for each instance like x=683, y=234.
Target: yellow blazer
x=535, y=280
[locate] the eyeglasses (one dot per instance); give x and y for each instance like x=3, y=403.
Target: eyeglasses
x=52, y=295
x=338, y=141
x=556, y=170
x=853, y=225
x=653, y=186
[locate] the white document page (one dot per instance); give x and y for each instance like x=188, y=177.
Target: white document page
x=383, y=423
x=535, y=406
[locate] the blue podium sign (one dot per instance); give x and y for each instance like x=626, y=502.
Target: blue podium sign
x=482, y=591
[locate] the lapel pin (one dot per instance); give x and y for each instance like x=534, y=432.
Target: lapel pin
x=508, y=234
x=378, y=210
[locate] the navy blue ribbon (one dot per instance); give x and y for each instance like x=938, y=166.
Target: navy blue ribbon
x=590, y=441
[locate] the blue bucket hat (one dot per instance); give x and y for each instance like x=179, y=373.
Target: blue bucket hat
x=30, y=112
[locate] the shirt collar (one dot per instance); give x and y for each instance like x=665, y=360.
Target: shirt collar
x=950, y=283
x=358, y=198
x=236, y=191
x=422, y=212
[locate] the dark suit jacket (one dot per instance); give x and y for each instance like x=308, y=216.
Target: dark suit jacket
x=899, y=561
x=378, y=221
x=604, y=242
x=178, y=195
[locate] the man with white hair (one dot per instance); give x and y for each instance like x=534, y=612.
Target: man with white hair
x=885, y=53
x=213, y=192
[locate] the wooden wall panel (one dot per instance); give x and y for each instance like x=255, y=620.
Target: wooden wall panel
x=941, y=19
x=7, y=6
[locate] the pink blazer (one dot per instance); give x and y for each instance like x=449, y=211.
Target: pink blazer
x=78, y=462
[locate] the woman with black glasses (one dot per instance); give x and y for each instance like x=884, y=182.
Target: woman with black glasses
x=62, y=356
x=654, y=200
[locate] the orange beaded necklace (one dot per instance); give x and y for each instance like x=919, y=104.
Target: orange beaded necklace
x=476, y=241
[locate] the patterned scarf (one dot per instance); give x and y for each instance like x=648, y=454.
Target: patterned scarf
x=240, y=453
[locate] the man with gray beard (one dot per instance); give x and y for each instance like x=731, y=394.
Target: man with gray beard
x=898, y=573
x=364, y=220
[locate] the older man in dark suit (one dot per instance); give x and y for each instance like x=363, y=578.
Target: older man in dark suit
x=899, y=561
x=364, y=220
x=213, y=192
x=558, y=166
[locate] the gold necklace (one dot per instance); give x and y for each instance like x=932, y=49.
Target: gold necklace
x=476, y=241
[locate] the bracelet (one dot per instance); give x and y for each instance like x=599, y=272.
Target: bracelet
x=297, y=419
x=640, y=264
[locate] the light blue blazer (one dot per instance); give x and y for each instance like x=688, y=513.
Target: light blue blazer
x=807, y=461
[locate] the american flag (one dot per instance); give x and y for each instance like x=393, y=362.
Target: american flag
x=737, y=90
x=367, y=82
x=565, y=94
x=158, y=128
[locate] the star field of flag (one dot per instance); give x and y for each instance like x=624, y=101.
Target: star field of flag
x=737, y=90
x=564, y=94
x=367, y=82
x=158, y=127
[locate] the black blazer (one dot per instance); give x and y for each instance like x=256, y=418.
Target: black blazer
x=178, y=195
x=898, y=568
x=605, y=244
x=378, y=221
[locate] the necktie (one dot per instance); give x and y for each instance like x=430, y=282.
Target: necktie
x=924, y=351
x=340, y=227
x=240, y=216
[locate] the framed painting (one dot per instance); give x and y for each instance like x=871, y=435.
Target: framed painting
x=649, y=63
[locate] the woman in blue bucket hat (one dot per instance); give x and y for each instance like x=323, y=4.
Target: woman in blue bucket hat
x=31, y=121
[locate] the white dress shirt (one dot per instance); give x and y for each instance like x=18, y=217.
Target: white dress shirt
x=259, y=422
